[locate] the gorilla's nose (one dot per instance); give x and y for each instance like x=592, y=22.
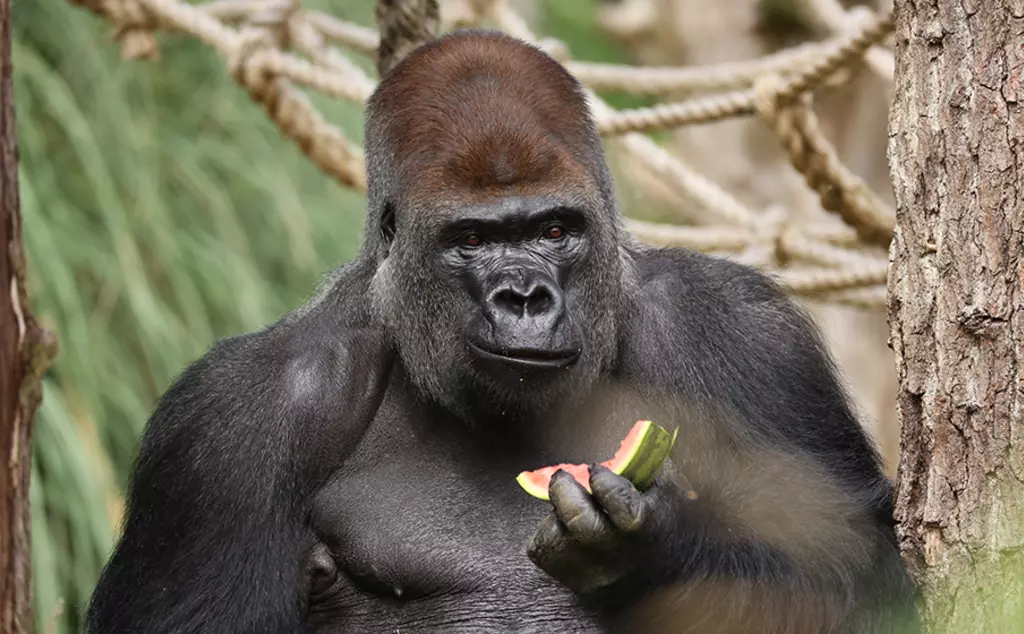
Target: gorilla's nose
x=527, y=326
x=535, y=299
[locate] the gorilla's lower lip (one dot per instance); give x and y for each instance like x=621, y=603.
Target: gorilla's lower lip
x=527, y=357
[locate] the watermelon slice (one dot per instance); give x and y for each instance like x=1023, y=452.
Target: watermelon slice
x=638, y=459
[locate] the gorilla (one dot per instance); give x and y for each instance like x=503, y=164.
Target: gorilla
x=351, y=468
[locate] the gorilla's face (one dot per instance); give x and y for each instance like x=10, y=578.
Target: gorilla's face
x=508, y=304
x=514, y=261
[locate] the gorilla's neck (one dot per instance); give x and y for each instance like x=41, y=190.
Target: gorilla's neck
x=500, y=415
x=574, y=426
x=487, y=411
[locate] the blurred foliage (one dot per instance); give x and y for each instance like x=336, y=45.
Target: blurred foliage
x=162, y=210
x=782, y=23
x=575, y=23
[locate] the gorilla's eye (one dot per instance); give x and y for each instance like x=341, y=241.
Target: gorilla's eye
x=471, y=240
x=554, y=232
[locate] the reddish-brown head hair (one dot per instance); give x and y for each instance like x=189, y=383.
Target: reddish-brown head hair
x=476, y=115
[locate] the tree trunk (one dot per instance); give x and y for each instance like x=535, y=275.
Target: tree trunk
x=957, y=306
x=25, y=352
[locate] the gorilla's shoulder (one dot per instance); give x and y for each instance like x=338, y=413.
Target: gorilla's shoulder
x=702, y=281
x=722, y=314
x=251, y=381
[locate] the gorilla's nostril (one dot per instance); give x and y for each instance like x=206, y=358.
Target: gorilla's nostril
x=511, y=301
x=321, y=570
x=540, y=301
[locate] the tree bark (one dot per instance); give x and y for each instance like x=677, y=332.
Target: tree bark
x=956, y=306
x=25, y=352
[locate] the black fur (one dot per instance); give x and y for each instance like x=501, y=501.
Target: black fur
x=351, y=468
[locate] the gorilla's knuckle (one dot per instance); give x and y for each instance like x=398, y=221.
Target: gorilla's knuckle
x=589, y=527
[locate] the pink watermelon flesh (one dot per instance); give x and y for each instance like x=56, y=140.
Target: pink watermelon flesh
x=536, y=482
x=541, y=478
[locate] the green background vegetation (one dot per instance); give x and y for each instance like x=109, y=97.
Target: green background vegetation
x=162, y=210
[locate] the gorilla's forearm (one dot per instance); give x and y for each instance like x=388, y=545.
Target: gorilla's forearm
x=712, y=537
x=211, y=580
x=790, y=601
x=761, y=579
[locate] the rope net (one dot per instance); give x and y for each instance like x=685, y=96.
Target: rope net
x=275, y=50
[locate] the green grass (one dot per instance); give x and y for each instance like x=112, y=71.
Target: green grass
x=162, y=210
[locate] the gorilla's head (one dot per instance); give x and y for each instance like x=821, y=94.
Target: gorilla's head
x=492, y=225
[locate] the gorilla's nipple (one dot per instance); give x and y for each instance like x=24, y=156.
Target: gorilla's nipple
x=321, y=570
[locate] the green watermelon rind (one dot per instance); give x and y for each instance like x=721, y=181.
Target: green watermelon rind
x=640, y=466
x=643, y=464
x=531, y=487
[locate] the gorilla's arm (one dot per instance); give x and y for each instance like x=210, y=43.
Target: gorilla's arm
x=775, y=509
x=214, y=539
x=723, y=341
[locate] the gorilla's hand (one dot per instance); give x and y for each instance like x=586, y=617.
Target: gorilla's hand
x=590, y=542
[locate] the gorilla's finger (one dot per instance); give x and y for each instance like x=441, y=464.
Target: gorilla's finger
x=554, y=551
x=550, y=539
x=579, y=511
x=618, y=497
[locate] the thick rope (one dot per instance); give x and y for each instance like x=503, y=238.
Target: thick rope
x=834, y=17
x=799, y=246
x=837, y=56
x=850, y=49
x=842, y=271
x=659, y=81
x=839, y=189
x=674, y=115
x=352, y=36
x=404, y=25
x=311, y=42
x=814, y=281
x=870, y=297
x=696, y=238
x=253, y=67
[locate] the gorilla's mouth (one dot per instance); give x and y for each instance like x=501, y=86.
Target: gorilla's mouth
x=536, y=358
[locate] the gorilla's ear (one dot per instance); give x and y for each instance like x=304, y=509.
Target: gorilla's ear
x=387, y=226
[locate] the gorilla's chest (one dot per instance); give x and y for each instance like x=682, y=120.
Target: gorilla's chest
x=431, y=536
